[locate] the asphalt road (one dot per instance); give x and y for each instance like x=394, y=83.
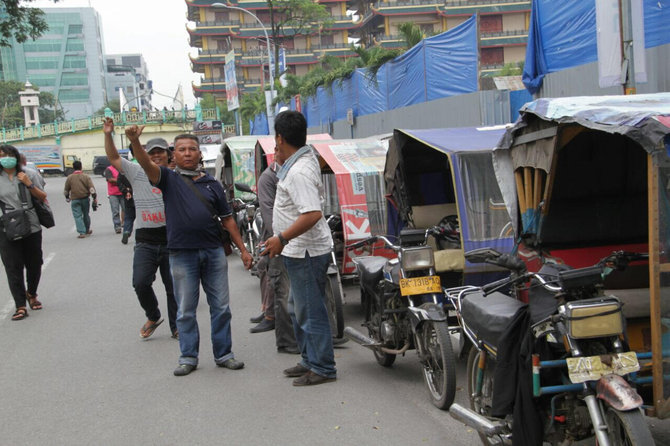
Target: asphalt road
x=77, y=373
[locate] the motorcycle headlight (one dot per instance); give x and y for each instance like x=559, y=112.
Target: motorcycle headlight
x=419, y=257
x=594, y=318
x=250, y=210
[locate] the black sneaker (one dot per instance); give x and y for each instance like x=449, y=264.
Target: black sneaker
x=124, y=238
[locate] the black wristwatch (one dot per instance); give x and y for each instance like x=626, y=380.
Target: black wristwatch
x=281, y=238
x=32, y=186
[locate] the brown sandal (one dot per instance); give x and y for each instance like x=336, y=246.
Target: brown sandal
x=21, y=314
x=33, y=302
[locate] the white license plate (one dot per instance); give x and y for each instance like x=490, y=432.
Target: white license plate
x=592, y=368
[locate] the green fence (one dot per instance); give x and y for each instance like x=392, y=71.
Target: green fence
x=95, y=122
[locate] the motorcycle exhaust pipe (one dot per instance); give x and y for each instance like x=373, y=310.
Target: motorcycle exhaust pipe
x=359, y=338
x=481, y=424
x=370, y=343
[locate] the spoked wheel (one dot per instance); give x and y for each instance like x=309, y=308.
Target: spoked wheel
x=481, y=402
x=438, y=363
x=373, y=320
x=334, y=306
x=628, y=428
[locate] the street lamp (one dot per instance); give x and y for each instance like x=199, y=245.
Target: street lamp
x=268, y=103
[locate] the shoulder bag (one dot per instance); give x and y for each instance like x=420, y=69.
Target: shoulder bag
x=16, y=223
x=44, y=213
x=225, y=236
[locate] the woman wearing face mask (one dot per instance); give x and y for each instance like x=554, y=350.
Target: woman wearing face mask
x=25, y=253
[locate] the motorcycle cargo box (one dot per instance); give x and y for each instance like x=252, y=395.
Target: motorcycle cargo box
x=489, y=316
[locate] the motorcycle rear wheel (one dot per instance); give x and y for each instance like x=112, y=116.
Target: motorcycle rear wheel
x=481, y=403
x=439, y=370
x=334, y=306
x=628, y=428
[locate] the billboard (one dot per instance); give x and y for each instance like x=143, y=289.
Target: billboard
x=232, y=95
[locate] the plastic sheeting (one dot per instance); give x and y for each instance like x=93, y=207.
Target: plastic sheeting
x=440, y=66
x=563, y=35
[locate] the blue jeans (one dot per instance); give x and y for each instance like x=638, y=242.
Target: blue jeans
x=190, y=268
x=116, y=204
x=146, y=260
x=307, y=307
x=82, y=220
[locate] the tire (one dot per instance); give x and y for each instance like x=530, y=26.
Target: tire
x=373, y=320
x=334, y=306
x=481, y=403
x=628, y=428
x=439, y=371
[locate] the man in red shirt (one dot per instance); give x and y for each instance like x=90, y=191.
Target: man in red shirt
x=116, y=201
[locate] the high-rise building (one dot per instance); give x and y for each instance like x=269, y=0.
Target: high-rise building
x=130, y=72
x=503, y=32
x=67, y=61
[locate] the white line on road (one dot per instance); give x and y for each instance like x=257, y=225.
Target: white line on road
x=10, y=305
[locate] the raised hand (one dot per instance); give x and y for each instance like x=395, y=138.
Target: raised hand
x=108, y=126
x=133, y=132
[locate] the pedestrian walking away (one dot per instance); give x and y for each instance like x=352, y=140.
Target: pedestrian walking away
x=78, y=188
x=116, y=201
x=151, y=252
x=196, y=211
x=17, y=191
x=303, y=240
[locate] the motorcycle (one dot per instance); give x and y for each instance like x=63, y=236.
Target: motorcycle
x=248, y=219
x=572, y=349
x=403, y=310
x=334, y=292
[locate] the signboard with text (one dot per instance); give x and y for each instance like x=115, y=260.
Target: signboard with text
x=232, y=96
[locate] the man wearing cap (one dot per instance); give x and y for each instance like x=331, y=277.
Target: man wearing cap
x=151, y=251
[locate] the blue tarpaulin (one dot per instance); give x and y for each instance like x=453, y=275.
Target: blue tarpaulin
x=563, y=35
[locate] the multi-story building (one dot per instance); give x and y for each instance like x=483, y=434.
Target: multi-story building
x=67, y=61
x=503, y=26
x=217, y=31
x=130, y=72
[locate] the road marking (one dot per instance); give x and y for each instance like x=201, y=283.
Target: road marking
x=4, y=313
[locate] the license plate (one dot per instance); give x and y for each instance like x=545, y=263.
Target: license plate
x=420, y=285
x=592, y=368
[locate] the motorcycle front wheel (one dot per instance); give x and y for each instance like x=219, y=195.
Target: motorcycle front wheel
x=334, y=306
x=628, y=428
x=439, y=366
x=482, y=401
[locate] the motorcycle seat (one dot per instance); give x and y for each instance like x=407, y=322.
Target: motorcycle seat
x=489, y=316
x=370, y=270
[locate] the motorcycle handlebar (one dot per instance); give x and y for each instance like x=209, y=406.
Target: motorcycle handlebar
x=367, y=241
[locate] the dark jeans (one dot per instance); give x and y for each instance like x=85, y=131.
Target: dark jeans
x=17, y=256
x=129, y=217
x=267, y=292
x=284, y=334
x=149, y=258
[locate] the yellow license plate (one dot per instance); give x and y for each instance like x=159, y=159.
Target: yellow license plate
x=420, y=285
x=592, y=368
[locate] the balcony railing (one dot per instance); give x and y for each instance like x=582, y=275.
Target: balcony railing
x=220, y=23
x=481, y=2
x=510, y=33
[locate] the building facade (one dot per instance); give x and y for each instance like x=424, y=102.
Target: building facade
x=503, y=32
x=66, y=61
x=130, y=72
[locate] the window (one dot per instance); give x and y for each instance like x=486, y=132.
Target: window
x=74, y=45
x=43, y=80
x=133, y=61
x=73, y=95
x=75, y=29
x=220, y=16
x=492, y=56
x=42, y=63
x=74, y=62
x=42, y=46
x=130, y=90
x=490, y=23
x=74, y=79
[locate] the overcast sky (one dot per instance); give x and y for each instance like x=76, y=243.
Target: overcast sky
x=154, y=28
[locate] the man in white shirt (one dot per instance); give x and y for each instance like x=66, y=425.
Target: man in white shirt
x=303, y=240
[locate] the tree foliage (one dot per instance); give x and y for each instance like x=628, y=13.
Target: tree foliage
x=114, y=105
x=11, y=112
x=209, y=101
x=20, y=21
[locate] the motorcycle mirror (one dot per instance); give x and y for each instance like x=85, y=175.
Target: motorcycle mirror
x=243, y=187
x=482, y=255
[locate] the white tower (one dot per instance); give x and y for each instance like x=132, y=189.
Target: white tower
x=30, y=101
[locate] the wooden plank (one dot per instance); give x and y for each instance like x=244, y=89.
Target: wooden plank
x=520, y=191
x=534, y=136
x=537, y=188
x=655, y=284
x=665, y=267
x=528, y=186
